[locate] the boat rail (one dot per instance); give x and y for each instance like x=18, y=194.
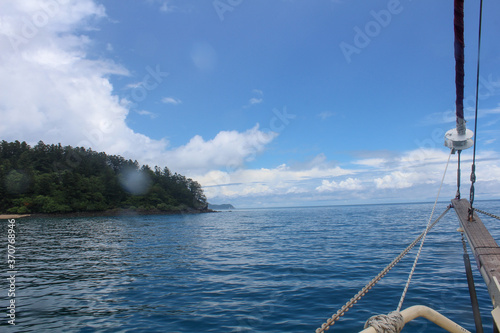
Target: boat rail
x=426, y=312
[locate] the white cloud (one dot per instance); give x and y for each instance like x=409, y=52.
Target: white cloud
x=228, y=149
x=147, y=113
x=490, y=141
x=396, y=179
x=47, y=79
x=416, y=167
x=348, y=184
x=371, y=162
x=134, y=85
x=255, y=101
x=171, y=100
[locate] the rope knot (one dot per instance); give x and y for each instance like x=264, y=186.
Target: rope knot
x=391, y=323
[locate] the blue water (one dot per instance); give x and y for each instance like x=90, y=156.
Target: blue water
x=261, y=270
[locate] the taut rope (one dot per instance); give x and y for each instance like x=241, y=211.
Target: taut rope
x=423, y=238
x=331, y=321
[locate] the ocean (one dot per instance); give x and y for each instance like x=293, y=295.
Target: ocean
x=246, y=270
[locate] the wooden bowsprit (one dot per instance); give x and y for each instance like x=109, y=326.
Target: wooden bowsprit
x=486, y=252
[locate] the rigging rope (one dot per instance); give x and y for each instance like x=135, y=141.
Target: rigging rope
x=473, y=172
x=331, y=321
x=486, y=213
x=423, y=238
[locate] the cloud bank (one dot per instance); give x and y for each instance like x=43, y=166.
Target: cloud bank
x=405, y=177
x=52, y=90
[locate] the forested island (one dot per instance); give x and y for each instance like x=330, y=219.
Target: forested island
x=52, y=179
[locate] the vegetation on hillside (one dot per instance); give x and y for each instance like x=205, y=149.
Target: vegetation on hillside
x=56, y=179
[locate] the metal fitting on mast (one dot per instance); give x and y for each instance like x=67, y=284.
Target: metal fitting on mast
x=456, y=141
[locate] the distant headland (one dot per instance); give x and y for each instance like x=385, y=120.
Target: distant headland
x=220, y=207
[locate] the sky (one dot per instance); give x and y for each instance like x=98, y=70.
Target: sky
x=264, y=102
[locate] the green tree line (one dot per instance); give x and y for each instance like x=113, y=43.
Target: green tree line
x=56, y=179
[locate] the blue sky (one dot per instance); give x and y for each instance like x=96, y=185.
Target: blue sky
x=265, y=103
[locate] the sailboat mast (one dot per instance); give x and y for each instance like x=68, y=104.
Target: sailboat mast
x=459, y=138
x=458, y=23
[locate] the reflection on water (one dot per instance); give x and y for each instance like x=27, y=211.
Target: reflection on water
x=268, y=270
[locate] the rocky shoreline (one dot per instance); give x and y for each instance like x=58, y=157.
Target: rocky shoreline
x=112, y=212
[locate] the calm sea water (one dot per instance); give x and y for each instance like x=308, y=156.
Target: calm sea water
x=261, y=270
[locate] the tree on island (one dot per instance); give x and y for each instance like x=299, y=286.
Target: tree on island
x=56, y=179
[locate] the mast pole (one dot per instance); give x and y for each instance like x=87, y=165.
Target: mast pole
x=459, y=138
x=458, y=24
